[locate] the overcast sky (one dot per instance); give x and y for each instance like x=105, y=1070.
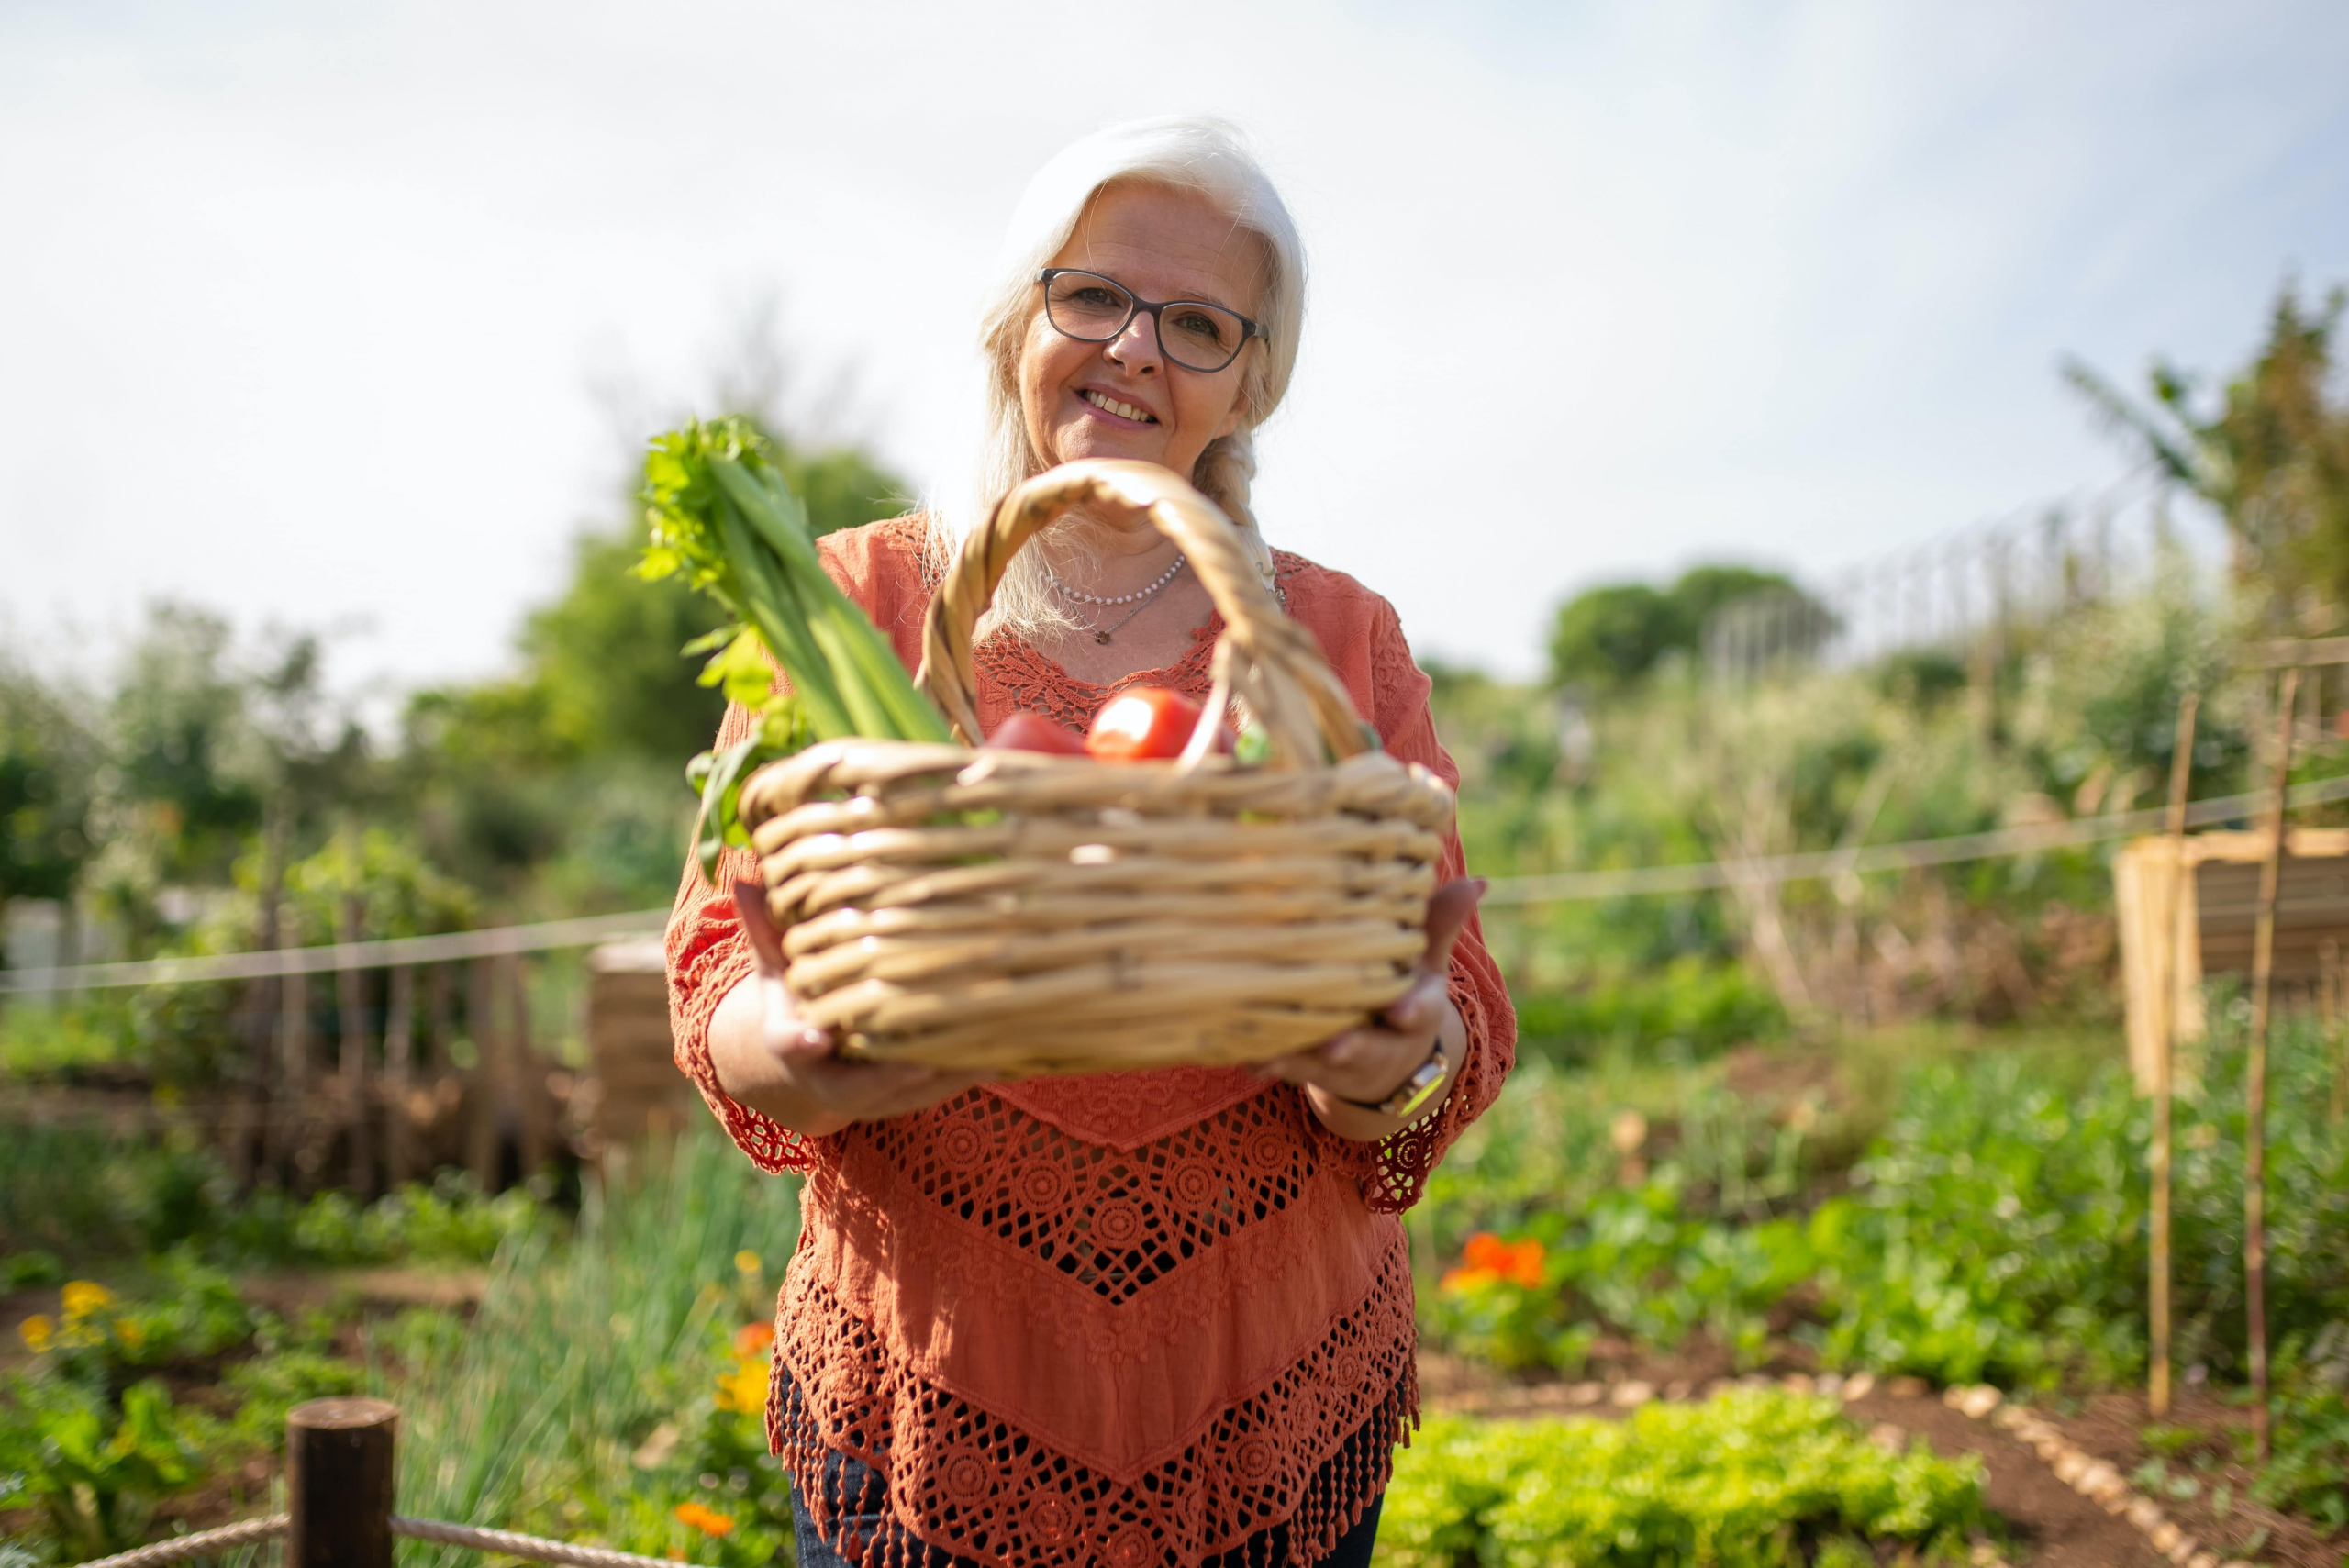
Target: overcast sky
x=345, y=315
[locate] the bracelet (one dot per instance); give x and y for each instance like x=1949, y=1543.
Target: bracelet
x=1417, y=1090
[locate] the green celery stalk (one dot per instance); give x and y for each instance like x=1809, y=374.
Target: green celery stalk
x=719, y=515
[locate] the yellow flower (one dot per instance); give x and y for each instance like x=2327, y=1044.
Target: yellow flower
x=744, y=1389
x=130, y=1333
x=84, y=1296
x=748, y=1263
x=37, y=1331
x=709, y=1521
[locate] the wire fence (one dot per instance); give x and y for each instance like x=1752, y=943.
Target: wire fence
x=1561, y=887
x=1950, y=594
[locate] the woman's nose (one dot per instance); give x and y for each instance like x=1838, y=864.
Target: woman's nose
x=1136, y=348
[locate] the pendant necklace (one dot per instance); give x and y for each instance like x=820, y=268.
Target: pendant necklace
x=1139, y=599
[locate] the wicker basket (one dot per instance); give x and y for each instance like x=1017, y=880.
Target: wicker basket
x=1031, y=914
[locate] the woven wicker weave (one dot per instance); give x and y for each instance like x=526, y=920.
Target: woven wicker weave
x=1029, y=913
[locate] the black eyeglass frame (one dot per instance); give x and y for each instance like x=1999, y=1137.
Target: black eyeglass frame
x=1139, y=307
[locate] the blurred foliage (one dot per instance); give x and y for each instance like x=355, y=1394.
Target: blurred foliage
x=81, y=1193
x=91, y=1441
x=1604, y=638
x=49, y=758
x=2271, y=454
x=559, y=785
x=219, y=796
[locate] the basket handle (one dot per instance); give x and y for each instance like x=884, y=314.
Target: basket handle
x=1267, y=660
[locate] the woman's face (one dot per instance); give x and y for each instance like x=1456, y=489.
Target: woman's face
x=1162, y=244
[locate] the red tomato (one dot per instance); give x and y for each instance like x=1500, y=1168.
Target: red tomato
x=1034, y=732
x=1148, y=721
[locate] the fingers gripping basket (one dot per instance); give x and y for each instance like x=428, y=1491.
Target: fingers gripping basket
x=1026, y=913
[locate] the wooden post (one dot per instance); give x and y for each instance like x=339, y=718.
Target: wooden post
x=2334, y=1035
x=526, y=1074
x=399, y=1061
x=481, y=1023
x=292, y=1129
x=443, y=1007
x=2255, y=1092
x=340, y=1477
x=351, y=1001
x=2181, y=770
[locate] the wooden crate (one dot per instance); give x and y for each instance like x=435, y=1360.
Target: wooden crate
x=2163, y=971
x=630, y=1047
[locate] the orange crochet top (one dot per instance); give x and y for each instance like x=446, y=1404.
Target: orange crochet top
x=1132, y=1318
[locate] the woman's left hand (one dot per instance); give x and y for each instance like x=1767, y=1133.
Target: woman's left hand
x=1361, y=1067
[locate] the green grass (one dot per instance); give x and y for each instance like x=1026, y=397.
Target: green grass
x=536, y=1413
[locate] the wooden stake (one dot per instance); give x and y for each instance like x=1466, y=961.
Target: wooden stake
x=340, y=1475
x=2181, y=769
x=526, y=1073
x=351, y=1001
x=2336, y=981
x=399, y=1061
x=488, y=1085
x=292, y=1130
x=2255, y=1132
x=2329, y=1010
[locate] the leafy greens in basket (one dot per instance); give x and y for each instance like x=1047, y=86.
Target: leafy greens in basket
x=721, y=518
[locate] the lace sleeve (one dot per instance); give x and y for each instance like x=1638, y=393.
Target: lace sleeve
x=709, y=956
x=1393, y=1172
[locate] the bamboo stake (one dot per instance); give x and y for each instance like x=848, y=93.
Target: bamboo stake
x=2181, y=769
x=2254, y=1137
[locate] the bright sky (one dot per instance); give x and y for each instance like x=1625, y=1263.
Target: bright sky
x=333, y=315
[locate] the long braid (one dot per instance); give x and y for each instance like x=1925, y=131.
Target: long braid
x=1223, y=474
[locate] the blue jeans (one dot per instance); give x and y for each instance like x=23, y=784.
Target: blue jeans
x=856, y=1493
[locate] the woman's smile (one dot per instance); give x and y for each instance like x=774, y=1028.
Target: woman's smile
x=1120, y=410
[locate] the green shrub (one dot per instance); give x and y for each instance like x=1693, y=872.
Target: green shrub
x=93, y=1467
x=1752, y=1479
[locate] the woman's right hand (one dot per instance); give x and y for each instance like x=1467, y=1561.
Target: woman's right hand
x=771, y=1060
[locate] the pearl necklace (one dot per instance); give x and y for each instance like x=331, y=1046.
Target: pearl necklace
x=1066, y=592
x=1103, y=635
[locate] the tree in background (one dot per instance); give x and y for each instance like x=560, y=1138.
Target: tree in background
x=2272, y=456
x=49, y=760
x=561, y=785
x=1607, y=638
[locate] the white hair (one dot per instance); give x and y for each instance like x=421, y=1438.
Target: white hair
x=1185, y=152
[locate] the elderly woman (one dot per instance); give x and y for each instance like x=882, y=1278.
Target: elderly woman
x=1157, y=1318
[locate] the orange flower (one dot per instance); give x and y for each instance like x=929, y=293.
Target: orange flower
x=1488, y=1260
x=752, y=1339
x=1486, y=1251
x=38, y=1332
x=709, y=1521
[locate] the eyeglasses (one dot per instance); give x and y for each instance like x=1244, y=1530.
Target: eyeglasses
x=1193, y=334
